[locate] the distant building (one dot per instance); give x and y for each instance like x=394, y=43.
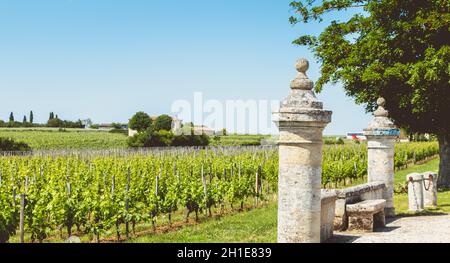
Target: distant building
x=131, y=132
x=86, y=123
x=177, y=124
x=202, y=129
x=359, y=136
x=106, y=126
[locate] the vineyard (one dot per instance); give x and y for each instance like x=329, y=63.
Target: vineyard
x=96, y=194
x=51, y=139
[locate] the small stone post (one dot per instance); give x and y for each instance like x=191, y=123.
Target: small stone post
x=430, y=189
x=301, y=121
x=415, y=192
x=381, y=135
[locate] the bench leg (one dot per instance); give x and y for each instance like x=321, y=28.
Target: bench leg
x=379, y=219
x=361, y=222
x=341, y=223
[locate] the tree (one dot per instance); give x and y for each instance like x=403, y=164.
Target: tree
x=55, y=123
x=163, y=122
x=24, y=121
x=140, y=122
x=52, y=116
x=31, y=117
x=11, y=117
x=396, y=49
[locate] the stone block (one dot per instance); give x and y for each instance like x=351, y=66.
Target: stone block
x=366, y=216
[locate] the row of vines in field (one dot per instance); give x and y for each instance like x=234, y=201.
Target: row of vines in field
x=52, y=139
x=341, y=163
x=96, y=194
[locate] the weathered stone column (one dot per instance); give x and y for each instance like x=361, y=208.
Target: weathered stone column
x=381, y=135
x=301, y=120
x=415, y=192
x=430, y=189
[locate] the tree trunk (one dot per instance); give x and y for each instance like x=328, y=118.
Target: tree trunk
x=444, y=167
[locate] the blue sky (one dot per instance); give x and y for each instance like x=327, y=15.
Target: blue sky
x=107, y=59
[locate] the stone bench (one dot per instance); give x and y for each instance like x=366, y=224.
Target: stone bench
x=328, y=202
x=353, y=195
x=366, y=215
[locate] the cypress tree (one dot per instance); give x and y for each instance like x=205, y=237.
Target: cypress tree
x=31, y=117
x=11, y=117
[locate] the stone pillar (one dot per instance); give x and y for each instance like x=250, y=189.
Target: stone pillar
x=415, y=192
x=430, y=189
x=381, y=135
x=301, y=120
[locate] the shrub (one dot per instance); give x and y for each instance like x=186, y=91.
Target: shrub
x=164, y=138
x=54, y=123
x=340, y=141
x=7, y=144
x=161, y=138
x=332, y=140
x=163, y=122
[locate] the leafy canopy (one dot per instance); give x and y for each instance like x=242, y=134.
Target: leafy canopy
x=163, y=122
x=140, y=122
x=396, y=49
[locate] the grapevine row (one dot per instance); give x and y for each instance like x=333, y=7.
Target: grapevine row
x=96, y=194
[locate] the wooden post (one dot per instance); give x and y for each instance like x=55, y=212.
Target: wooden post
x=127, y=204
x=156, y=185
x=257, y=188
x=68, y=189
x=14, y=197
x=22, y=218
x=205, y=192
x=113, y=184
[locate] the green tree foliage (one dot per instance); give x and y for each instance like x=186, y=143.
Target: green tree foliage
x=31, y=117
x=54, y=123
x=164, y=138
x=151, y=138
x=7, y=144
x=191, y=140
x=11, y=117
x=24, y=119
x=163, y=122
x=58, y=123
x=396, y=49
x=52, y=116
x=140, y=122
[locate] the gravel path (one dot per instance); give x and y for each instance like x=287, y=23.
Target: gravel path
x=417, y=229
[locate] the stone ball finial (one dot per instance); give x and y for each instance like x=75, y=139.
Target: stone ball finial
x=381, y=111
x=381, y=102
x=302, y=65
x=302, y=82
